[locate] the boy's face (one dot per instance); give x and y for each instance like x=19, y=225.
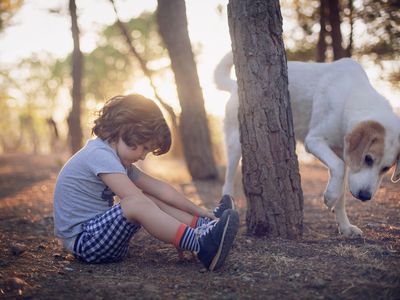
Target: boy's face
x=129, y=155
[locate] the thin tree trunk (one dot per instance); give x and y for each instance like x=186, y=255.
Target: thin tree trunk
x=321, y=46
x=349, y=49
x=271, y=176
x=74, y=118
x=336, y=34
x=171, y=17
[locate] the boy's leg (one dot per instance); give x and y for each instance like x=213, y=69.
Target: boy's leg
x=225, y=203
x=145, y=212
x=178, y=214
x=212, y=243
x=105, y=238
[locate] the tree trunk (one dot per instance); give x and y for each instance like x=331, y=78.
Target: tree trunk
x=321, y=46
x=336, y=34
x=271, y=176
x=171, y=17
x=349, y=49
x=74, y=118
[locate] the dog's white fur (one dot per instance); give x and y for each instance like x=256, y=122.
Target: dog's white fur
x=340, y=118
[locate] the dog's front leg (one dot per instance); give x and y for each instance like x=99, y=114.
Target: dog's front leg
x=345, y=227
x=233, y=153
x=335, y=188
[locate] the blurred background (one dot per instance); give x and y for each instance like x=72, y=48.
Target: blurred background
x=37, y=46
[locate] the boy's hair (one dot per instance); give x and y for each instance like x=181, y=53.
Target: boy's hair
x=134, y=118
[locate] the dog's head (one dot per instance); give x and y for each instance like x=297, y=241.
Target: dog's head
x=370, y=151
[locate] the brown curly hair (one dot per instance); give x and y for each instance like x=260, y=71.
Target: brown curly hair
x=134, y=118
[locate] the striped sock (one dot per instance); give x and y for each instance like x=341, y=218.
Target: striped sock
x=198, y=221
x=186, y=239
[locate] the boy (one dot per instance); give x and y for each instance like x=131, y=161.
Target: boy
x=94, y=230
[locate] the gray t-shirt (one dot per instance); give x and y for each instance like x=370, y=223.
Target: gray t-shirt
x=80, y=194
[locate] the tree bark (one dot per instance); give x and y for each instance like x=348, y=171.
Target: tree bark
x=271, y=176
x=74, y=118
x=171, y=17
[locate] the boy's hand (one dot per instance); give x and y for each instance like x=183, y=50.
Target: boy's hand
x=210, y=215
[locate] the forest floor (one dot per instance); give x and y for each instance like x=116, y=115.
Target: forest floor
x=321, y=265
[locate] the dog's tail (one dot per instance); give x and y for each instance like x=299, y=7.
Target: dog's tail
x=222, y=74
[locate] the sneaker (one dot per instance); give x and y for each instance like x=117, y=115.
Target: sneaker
x=216, y=239
x=225, y=203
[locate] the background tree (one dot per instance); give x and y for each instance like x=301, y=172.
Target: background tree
x=271, y=177
x=376, y=23
x=74, y=118
x=29, y=91
x=330, y=21
x=321, y=45
x=335, y=32
x=171, y=17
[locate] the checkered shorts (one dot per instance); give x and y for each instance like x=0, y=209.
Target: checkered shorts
x=105, y=238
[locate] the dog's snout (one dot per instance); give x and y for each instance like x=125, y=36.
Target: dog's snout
x=364, y=195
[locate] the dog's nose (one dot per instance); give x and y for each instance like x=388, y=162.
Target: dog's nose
x=364, y=195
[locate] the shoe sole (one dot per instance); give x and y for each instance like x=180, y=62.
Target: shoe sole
x=228, y=236
x=232, y=202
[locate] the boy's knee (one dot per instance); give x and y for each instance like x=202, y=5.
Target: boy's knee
x=133, y=207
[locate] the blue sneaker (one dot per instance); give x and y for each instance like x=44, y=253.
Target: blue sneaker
x=216, y=239
x=225, y=203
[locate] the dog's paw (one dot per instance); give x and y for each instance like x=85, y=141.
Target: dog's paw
x=351, y=231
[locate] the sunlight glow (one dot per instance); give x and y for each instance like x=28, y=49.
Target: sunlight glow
x=35, y=30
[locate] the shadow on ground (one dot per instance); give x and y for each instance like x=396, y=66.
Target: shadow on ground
x=322, y=265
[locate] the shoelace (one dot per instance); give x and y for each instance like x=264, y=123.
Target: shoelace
x=221, y=206
x=205, y=228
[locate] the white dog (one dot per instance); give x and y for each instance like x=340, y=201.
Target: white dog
x=340, y=118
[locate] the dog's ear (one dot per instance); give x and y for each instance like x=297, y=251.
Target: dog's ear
x=366, y=137
x=396, y=173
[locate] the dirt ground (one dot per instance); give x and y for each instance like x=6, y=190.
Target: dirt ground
x=322, y=265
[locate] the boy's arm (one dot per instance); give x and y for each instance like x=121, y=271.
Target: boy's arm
x=121, y=185
x=168, y=194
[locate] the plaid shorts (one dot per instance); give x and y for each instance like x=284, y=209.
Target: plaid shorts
x=105, y=238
